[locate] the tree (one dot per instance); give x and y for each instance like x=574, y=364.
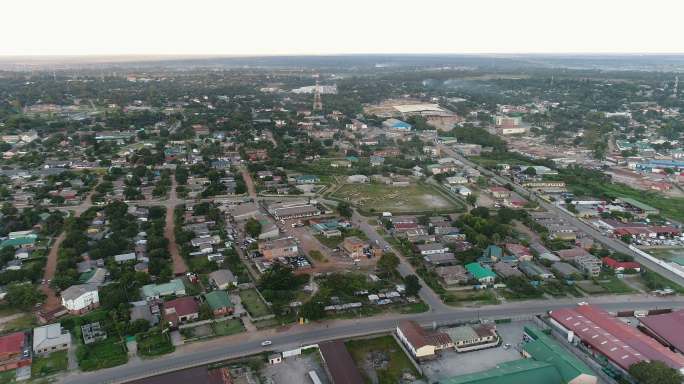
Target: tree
x=388, y=263
x=530, y=171
x=412, y=285
x=654, y=372
x=471, y=199
x=253, y=227
x=313, y=310
x=344, y=209
x=23, y=295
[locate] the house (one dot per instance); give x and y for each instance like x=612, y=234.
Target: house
x=491, y=254
x=219, y=303
x=358, y=179
x=80, y=298
x=432, y=248
x=565, y=270
x=440, y=259
x=481, y=274
x=452, y=275
x=222, y=279
x=419, y=342
x=125, y=257
x=506, y=270
x=14, y=351
x=92, y=333
x=156, y=291
x=469, y=338
x=181, y=310
x=534, y=271
x=621, y=266
x=520, y=252
x=354, y=246
x=50, y=338
x=283, y=247
x=307, y=179
x=500, y=192
x=377, y=161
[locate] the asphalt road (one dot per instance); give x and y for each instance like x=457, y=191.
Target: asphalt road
x=609, y=242
x=247, y=344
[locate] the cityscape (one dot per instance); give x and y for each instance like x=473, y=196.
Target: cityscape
x=348, y=216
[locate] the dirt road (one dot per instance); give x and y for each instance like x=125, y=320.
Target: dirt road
x=179, y=266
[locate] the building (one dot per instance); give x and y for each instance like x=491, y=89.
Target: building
x=295, y=211
x=432, y=249
x=219, y=303
x=354, y=246
x=284, y=247
x=666, y=328
x=396, y=124
x=419, y=342
x=155, y=291
x=222, y=279
x=181, y=310
x=621, y=266
x=523, y=371
x=506, y=270
x=565, y=270
x=50, y=338
x=245, y=211
x=440, y=259
x=604, y=335
x=339, y=364
x=452, y=275
x=480, y=273
x=15, y=351
x=471, y=338
x=81, y=298
x=541, y=347
x=520, y=252
x=92, y=333
x=589, y=264
x=534, y=271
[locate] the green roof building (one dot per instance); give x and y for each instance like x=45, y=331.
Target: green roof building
x=219, y=302
x=524, y=371
x=155, y=291
x=480, y=273
x=19, y=241
x=544, y=348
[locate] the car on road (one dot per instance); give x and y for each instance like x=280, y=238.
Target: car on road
x=266, y=343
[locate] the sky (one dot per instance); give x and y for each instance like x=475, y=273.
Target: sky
x=276, y=27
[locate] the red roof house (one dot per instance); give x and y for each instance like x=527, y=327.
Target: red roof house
x=181, y=310
x=12, y=351
x=621, y=266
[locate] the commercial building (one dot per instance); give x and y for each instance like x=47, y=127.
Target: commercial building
x=284, y=247
x=289, y=212
x=666, y=328
x=339, y=364
x=419, y=342
x=470, y=338
x=606, y=336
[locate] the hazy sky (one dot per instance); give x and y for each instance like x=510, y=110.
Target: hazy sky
x=239, y=27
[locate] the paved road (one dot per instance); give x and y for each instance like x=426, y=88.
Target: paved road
x=609, y=242
x=249, y=343
x=428, y=296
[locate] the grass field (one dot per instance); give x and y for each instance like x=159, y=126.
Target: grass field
x=615, y=285
x=103, y=354
x=363, y=351
x=375, y=197
x=253, y=303
x=52, y=363
x=154, y=344
x=228, y=327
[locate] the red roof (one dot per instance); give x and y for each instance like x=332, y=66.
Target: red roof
x=12, y=343
x=183, y=305
x=619, y=342
x=668, y=327
x=405, y=226
x=612, y=263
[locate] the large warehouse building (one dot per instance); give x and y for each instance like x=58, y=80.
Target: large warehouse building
x=666, y=328
x=607, y=336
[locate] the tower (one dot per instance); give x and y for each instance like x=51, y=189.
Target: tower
x=317, y=103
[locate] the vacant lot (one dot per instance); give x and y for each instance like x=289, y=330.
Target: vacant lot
x=52, y=363
x=253, y=303
x=380, y=197
x=227, y=327
x=380, y=360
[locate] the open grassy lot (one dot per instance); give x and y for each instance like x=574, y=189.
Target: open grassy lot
x=253, y=303
x=52, y=363
x=103, y=354
x=228, y=327
x=7, y=377
x=393, y=362
x=615, y=285
x=374, y=197
x=154, y=343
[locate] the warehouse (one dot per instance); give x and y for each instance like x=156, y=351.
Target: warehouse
x=621, y=344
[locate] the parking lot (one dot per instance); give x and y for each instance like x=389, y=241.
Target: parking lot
x=450, y=363
x=294, y=370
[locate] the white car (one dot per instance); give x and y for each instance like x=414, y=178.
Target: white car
x=266, y=342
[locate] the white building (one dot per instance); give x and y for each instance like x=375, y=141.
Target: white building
x=50, y=338
x=80, y=298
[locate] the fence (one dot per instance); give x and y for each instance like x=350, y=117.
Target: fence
x=656, y=260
